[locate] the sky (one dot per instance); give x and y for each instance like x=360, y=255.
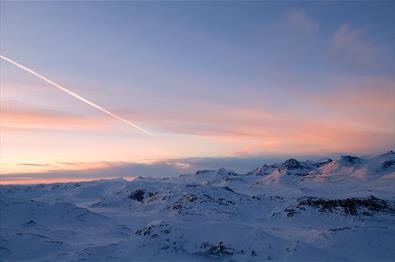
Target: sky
x=232, y=84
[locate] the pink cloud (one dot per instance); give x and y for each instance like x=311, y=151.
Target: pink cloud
x=301, y=20
x=31, y=118
x=35, y=180
x=353, y=44
x=354, y=118
x=355, y=115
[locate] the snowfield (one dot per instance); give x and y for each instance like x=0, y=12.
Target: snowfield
x=329, y=210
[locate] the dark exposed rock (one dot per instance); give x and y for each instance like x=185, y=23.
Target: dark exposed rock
x=152, y=196
x=232, y=179
x=347, y=206
x=188, y=201
x=182, y=202
x=259, y=171
x=290, y=211
x=339, y=229
x=189, y=198
x=192, y=185
x=137, y=195
x=388, y=164
x=276, y=198
x=154, y=230
x=228, y=189
x=295, y=168
x=176, y=206
x=322, y=163
x=291, y=164
x=299, y=174
x=391, y=152
x=224, y=172
x=263, y=170
x=220, y=171
x=219, y=250
x=201, y=172
x=350, y=159
x=31, y=222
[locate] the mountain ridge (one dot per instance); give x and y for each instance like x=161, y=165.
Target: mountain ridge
x=342, y=209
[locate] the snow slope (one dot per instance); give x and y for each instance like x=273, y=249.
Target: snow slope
x=329, y=210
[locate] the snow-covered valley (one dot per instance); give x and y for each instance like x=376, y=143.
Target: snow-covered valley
x=329, y=210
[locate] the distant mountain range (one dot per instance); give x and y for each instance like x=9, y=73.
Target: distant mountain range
x=336, y=210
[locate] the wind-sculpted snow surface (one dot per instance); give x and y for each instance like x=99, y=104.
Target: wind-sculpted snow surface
x=329, y=210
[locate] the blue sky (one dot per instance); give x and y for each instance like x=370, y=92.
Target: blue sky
x=210, y=79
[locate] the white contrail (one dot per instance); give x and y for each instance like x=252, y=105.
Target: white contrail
x=74, y=94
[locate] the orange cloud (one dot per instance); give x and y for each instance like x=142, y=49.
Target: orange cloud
x=27, y=181
x=363, y=93
x=354, y=116
x=31, y=118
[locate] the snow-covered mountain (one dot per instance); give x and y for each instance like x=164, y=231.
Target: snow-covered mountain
x=332, y=210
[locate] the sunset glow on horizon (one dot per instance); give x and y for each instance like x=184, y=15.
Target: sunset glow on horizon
x=209, y=86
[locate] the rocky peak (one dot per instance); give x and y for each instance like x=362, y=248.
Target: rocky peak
x=201, y=172
x=350, y=159
x=391, y=152
x=258, y=171
x=262, y=170
x=291, y=164
x=223, y=171
x=323, y=162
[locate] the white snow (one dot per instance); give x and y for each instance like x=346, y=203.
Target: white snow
x=304, y=211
